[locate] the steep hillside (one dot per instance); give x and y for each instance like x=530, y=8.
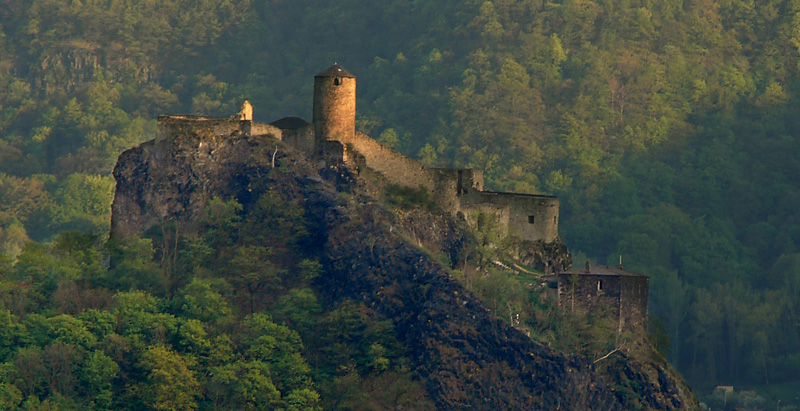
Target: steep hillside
x=462, y=356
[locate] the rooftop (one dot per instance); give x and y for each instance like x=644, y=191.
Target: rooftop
x=335, y=71
x=290, y=123
x=519, y=194
x=603, y=270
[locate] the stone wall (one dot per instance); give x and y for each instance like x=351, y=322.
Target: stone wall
x=531, y=217
x=172, y=125
x=301, y=138
x=177, y=125
x=500, y=212
x=625, y=296
x=634, y=294
x=396, y=167
x=449, y=184
x=260, y=129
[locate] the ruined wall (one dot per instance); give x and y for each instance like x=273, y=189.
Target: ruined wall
x=334, y=108
x=590, y=292
x=297, y=133
x=634, y=294
x=624, y=296
x=531, y=217
x=171, y=125
x=396, y=167
x=259, y=129
x=301, y=138
x=500, y=212
x=449, y=184
x=175, y=125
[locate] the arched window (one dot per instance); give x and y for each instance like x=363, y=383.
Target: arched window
x=337, y=81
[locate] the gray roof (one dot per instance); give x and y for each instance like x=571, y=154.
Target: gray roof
x=335, y=71
x=602, y=270
x=290, y=123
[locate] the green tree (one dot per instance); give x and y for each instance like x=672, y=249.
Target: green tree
x=97, y=375
x=171, y=384
x=243, y=385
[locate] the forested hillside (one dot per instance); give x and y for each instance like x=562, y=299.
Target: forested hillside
x=666, y=128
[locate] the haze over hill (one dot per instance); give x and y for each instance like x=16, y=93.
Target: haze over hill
x=666, y=129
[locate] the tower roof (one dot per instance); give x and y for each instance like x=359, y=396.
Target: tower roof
x=290, y=123
x=335, y=71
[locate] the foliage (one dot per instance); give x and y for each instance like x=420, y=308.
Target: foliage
x=246, y=330
x=667, y=130
x=408, y=197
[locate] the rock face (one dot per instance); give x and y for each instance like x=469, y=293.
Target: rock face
x=465, y=358
x=171, y=180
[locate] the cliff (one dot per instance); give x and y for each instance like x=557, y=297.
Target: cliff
x=463, y=356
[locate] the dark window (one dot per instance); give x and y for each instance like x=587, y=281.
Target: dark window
x=530, y=219
x=599, y=285
x=555, y=219
x=336, y=81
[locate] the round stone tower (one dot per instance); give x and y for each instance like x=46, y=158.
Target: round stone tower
x=334, y=105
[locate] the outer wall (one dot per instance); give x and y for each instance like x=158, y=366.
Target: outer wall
x=530, y=217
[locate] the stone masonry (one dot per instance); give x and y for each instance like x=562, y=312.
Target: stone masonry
x=332, y=137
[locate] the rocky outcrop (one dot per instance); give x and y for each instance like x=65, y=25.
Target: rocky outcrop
x=465, y=358
x=549, y=258
x=172, y=180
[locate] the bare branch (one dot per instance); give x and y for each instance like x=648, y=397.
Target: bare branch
x=606, y=356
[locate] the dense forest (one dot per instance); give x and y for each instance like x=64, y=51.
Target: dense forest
x=666, y=128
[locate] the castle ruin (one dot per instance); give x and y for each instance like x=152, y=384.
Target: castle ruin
x=332, y=136
x=595, y=287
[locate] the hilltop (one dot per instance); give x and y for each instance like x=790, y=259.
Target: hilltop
x=460, y=354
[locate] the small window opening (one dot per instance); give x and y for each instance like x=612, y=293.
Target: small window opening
x=336, y=81
x=555, y=219
x=599, y=285
x=530, y=219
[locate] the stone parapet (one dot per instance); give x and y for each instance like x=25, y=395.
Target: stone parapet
x=172, y=125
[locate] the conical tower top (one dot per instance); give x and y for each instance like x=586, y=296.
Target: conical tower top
x=335, y=71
